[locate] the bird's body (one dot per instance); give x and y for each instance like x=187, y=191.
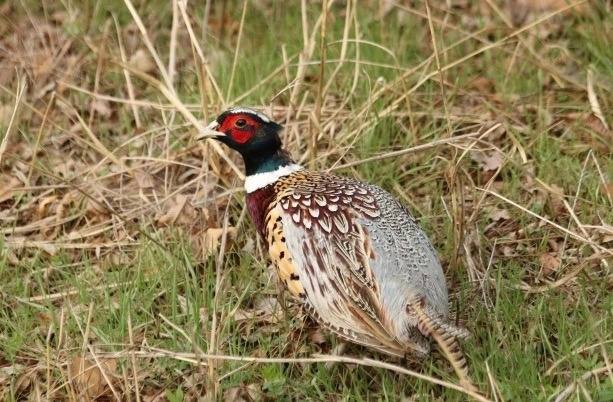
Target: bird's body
x=353, y=255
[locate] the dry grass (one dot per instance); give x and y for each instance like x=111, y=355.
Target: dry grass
x=130, y=269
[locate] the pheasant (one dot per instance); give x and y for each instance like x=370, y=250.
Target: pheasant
x=353, y=255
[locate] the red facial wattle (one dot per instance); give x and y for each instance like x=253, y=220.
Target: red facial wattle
x=240, y=134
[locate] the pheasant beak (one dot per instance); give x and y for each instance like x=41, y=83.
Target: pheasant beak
x=210, y=131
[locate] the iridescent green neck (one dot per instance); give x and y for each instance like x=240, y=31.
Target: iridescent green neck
x=263, y=163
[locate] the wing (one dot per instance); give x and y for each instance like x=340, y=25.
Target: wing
x=324, y=254
x=408, y=266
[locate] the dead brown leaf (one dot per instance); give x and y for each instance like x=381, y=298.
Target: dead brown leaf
x=541, y=5
x=5, y=8
x=520, y=10
x=556, y=198
x=483, y=85
x=24, y=380
x=597, y=125
x=317, y=336
x=88, y=378
x=488, y=161
x=7, y=186
x=590, y=121
x=59, y=17
x=96, y=209
x=8, y=372
x=242, y=393
x=43, y=204
x=102, y=107
x=178, y=206
x=507, y=251
x=69, y=198
x=550, y=263
x=496, y=214
x=212, y=239
x=593, y=98
x=5, y=114
x=142, y=61
x=143, y=179
x=266, y=310
x=500, y=221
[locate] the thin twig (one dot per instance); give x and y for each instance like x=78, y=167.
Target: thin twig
x=543, y=219
x=193, y=359
x=149, y=45
x=438, y=68
x=319, y=100
x=126, y=74
x=433, y=144
x=12, y=126
x=236, y=50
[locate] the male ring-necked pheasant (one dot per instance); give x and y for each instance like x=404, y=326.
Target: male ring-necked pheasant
x=354, y=255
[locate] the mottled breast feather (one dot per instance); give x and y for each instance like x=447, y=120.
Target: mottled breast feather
x=355, y=256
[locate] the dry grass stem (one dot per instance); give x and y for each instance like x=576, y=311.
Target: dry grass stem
x=194, y=359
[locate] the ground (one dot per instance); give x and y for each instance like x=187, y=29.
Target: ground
x=129, y=268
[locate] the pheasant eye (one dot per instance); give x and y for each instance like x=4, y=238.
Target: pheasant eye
x=240, y=123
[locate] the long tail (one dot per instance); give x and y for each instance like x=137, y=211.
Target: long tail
x=445, y=336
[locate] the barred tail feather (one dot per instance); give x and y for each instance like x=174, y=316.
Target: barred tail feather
x=445, y=336
x=453, y=330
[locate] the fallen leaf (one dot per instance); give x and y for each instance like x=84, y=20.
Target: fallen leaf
x=49, y=248
x=488, y=161
x=507, y=251
x=555, y=247
x=6, y=111
x=102, y=107
x=7, y=186
x=496, y=214
x=317, y=337
x=5, y=8
x=521, y=9
x=242, y=393
x=483, y=85
x=96, y=208
x=63, y=207
x=143, y=179
x=176, y=208
x=549, y=263
x=556, y=198
x=212, y=239
x=24, y=381
x=265, y=310
x=41, y=209
x=88, y=378
x=8, y=372
x=597, y=126
x=142, y=61
x=593, y=98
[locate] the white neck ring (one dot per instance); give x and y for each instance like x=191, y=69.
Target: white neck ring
x=260, y=180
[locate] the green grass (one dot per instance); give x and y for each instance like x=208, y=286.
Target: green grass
x=137, y=283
